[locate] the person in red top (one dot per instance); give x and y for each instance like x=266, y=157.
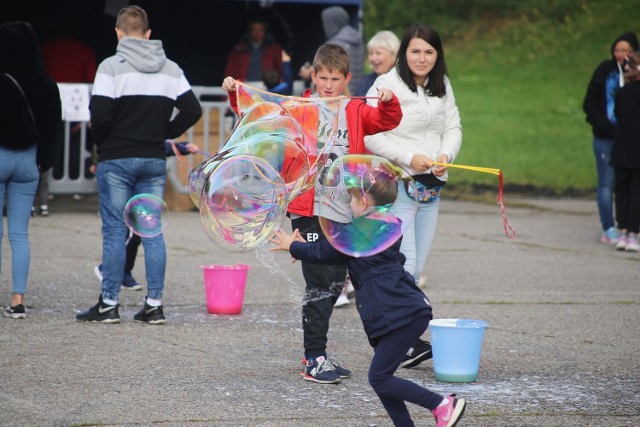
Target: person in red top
x=68, y=60
x=255, y=53
x=356, y=119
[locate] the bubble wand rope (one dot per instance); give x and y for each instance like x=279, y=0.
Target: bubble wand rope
x=180, y=156
x=508, y=229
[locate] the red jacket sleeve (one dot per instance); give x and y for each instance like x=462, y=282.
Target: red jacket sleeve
x=386, y=117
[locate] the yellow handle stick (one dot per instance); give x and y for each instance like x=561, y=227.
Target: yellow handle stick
x=471, y=168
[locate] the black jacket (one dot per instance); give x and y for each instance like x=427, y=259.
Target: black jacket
x=20, y=57
x=595, y=101
x=387, y=297
x=133, y=100
x=625, y=153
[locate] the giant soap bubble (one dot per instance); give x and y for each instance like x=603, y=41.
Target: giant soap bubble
x=271, y=157
x=243, y=202
x=376, y=181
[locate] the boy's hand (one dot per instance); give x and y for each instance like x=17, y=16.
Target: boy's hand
x=384, y=95
x=305, y=71
x=192, y=148
x=229, y=84
x=298, y=236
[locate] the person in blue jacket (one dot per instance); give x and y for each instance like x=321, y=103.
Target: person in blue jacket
x=393, y=310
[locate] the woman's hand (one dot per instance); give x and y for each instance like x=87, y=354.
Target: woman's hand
x=441, y=170
x=421, y=163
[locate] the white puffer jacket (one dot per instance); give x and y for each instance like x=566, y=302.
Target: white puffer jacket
x=429, y=126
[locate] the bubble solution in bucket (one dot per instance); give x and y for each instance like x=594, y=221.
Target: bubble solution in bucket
x=456, y=345
x=224, y=287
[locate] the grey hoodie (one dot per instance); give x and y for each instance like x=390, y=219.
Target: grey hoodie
x=146, y=56
x=335, y=21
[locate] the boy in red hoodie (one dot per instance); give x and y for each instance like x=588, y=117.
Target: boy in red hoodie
x=324, y=283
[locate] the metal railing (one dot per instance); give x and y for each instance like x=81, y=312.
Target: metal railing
x=71, y=174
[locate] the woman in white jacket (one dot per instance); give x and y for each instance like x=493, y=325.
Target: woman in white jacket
x=430, y=131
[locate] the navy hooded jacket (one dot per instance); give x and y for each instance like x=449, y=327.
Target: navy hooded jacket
x=387, y=297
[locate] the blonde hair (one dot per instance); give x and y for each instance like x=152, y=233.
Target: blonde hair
x=385, y=40
x=132, y=20
x=332, y=57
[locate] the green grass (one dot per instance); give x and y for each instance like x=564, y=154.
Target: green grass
x=519, y=83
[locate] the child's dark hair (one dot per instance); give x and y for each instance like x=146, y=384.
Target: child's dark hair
x=332, y=57
x=271, y=78
x=379, y=184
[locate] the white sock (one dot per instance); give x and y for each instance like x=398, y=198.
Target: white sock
x=445, y=401
x=154, y=302
x=110, y=301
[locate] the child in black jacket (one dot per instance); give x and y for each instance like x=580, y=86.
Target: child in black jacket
x=393, y=310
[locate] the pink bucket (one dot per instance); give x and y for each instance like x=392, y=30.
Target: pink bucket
x=224, y=287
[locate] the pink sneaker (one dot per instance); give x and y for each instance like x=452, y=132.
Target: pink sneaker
x=448, y=415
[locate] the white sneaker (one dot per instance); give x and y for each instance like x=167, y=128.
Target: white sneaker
x=350, y=290
x=622, y=242
x=343, y=300
x=422, y=283
x=632, y=243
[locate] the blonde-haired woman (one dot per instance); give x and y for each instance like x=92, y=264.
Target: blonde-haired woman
x=383, y=48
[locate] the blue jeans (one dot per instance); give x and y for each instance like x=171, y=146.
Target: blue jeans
x=118, y=181
x=18, y=183
x=606, y=180
x=418, y=236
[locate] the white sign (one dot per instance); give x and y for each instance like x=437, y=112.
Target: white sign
x=75, y=102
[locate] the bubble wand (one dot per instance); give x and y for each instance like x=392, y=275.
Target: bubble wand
x=508, y=229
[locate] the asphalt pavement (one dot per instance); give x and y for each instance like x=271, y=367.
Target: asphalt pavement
x=561, y=348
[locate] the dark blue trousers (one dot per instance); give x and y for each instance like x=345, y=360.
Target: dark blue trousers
x=395, y=391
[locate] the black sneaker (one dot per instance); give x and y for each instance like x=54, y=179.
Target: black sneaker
x=101, y=312
x=150, y=314
x=15, y=312
x=417, y=354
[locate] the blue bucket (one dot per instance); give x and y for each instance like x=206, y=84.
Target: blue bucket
x=456, y=345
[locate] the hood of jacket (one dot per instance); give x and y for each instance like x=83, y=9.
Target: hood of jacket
x=348, y=36
x=19, y=52
x=334, y=18
x=629, y=37
x=146, y=56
